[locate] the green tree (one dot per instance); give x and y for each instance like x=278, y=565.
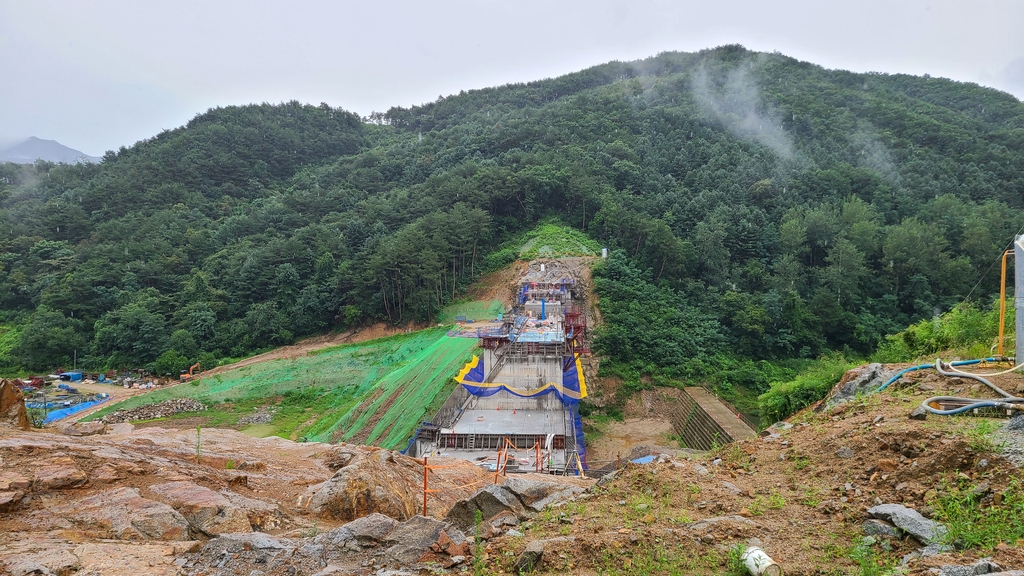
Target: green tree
x=50, y=340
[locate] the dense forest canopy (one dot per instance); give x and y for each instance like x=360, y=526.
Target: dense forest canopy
x=754, y=204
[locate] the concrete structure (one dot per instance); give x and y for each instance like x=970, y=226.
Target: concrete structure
x=519, y=395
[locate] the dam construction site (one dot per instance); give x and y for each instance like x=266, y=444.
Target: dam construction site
x=462, y=448
x=517, y=403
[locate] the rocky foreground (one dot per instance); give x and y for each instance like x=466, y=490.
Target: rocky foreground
x=93, y=498
x=853, y=485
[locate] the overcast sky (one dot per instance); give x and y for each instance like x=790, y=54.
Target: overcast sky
x=100, y=74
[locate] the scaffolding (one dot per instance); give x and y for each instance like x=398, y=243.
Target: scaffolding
x=527, y=383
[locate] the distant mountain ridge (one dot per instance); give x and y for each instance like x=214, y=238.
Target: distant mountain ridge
x=34, y=149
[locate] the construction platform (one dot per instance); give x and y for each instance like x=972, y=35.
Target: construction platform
x=535, y=422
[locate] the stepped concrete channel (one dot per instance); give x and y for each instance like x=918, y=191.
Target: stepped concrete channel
x=521, y=393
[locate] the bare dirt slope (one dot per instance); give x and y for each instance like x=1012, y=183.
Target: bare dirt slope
x=801, y=492
x=314, y=343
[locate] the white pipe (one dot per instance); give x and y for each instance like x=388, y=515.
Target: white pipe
x=760, y=564
x=1017, y=367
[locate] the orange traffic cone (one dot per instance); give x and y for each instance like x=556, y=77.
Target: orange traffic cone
x=513, y=410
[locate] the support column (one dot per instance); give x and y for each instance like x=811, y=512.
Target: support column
x=1018, y=297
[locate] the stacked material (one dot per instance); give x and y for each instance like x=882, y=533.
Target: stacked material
x=151, y=411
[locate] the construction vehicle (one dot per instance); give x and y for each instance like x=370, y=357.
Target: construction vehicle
x=192, y=371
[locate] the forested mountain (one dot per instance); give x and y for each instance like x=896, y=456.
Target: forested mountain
x=755, y=204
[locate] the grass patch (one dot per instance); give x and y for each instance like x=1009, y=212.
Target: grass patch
x=972, y=523
x=550, y=239
x=968, y=330
x=869, y=563
x=980, y=435
x=10, y=335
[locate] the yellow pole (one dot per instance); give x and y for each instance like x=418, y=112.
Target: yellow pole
x=1002, y=304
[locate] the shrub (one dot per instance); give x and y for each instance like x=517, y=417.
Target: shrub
x=810, y=385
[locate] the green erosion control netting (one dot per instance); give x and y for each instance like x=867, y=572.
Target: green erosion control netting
x=387, y=383
x=471, y=311
x=400, y=398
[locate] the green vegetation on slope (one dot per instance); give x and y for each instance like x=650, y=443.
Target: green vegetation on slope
x=775, y=206
x=336, y=393
x=557, y=241
x=968, y=331
x=10, y=336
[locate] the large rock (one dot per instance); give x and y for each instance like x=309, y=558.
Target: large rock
x=9, y=499
x=983, y=566
x=263, y=516
x=253, y=553
x=83, y=428
x=491, y=502
x=122, y=513
x=530, y=558
x=368, y=482
x=411, y=539
x=206, y=511
x=12, y=489
x=536, y=495
x=860, y=381
x=370, y=530
x=12, y=406
x=366, y=532
x=910, y=521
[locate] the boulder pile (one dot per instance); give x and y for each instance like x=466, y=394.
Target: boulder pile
x=152, y=411
x=257, y=418
x=375, y=541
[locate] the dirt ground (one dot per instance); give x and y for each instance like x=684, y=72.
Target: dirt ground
x=498, y=285
x=646, y=422
x=800, y=492
x=619, y=438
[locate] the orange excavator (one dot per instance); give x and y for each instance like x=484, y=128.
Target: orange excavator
x=192, y=371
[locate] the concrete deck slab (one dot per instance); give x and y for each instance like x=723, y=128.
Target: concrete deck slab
x=507, y=422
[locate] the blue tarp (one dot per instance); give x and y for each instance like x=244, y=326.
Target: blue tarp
x=65, y=412
x=644, y=460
